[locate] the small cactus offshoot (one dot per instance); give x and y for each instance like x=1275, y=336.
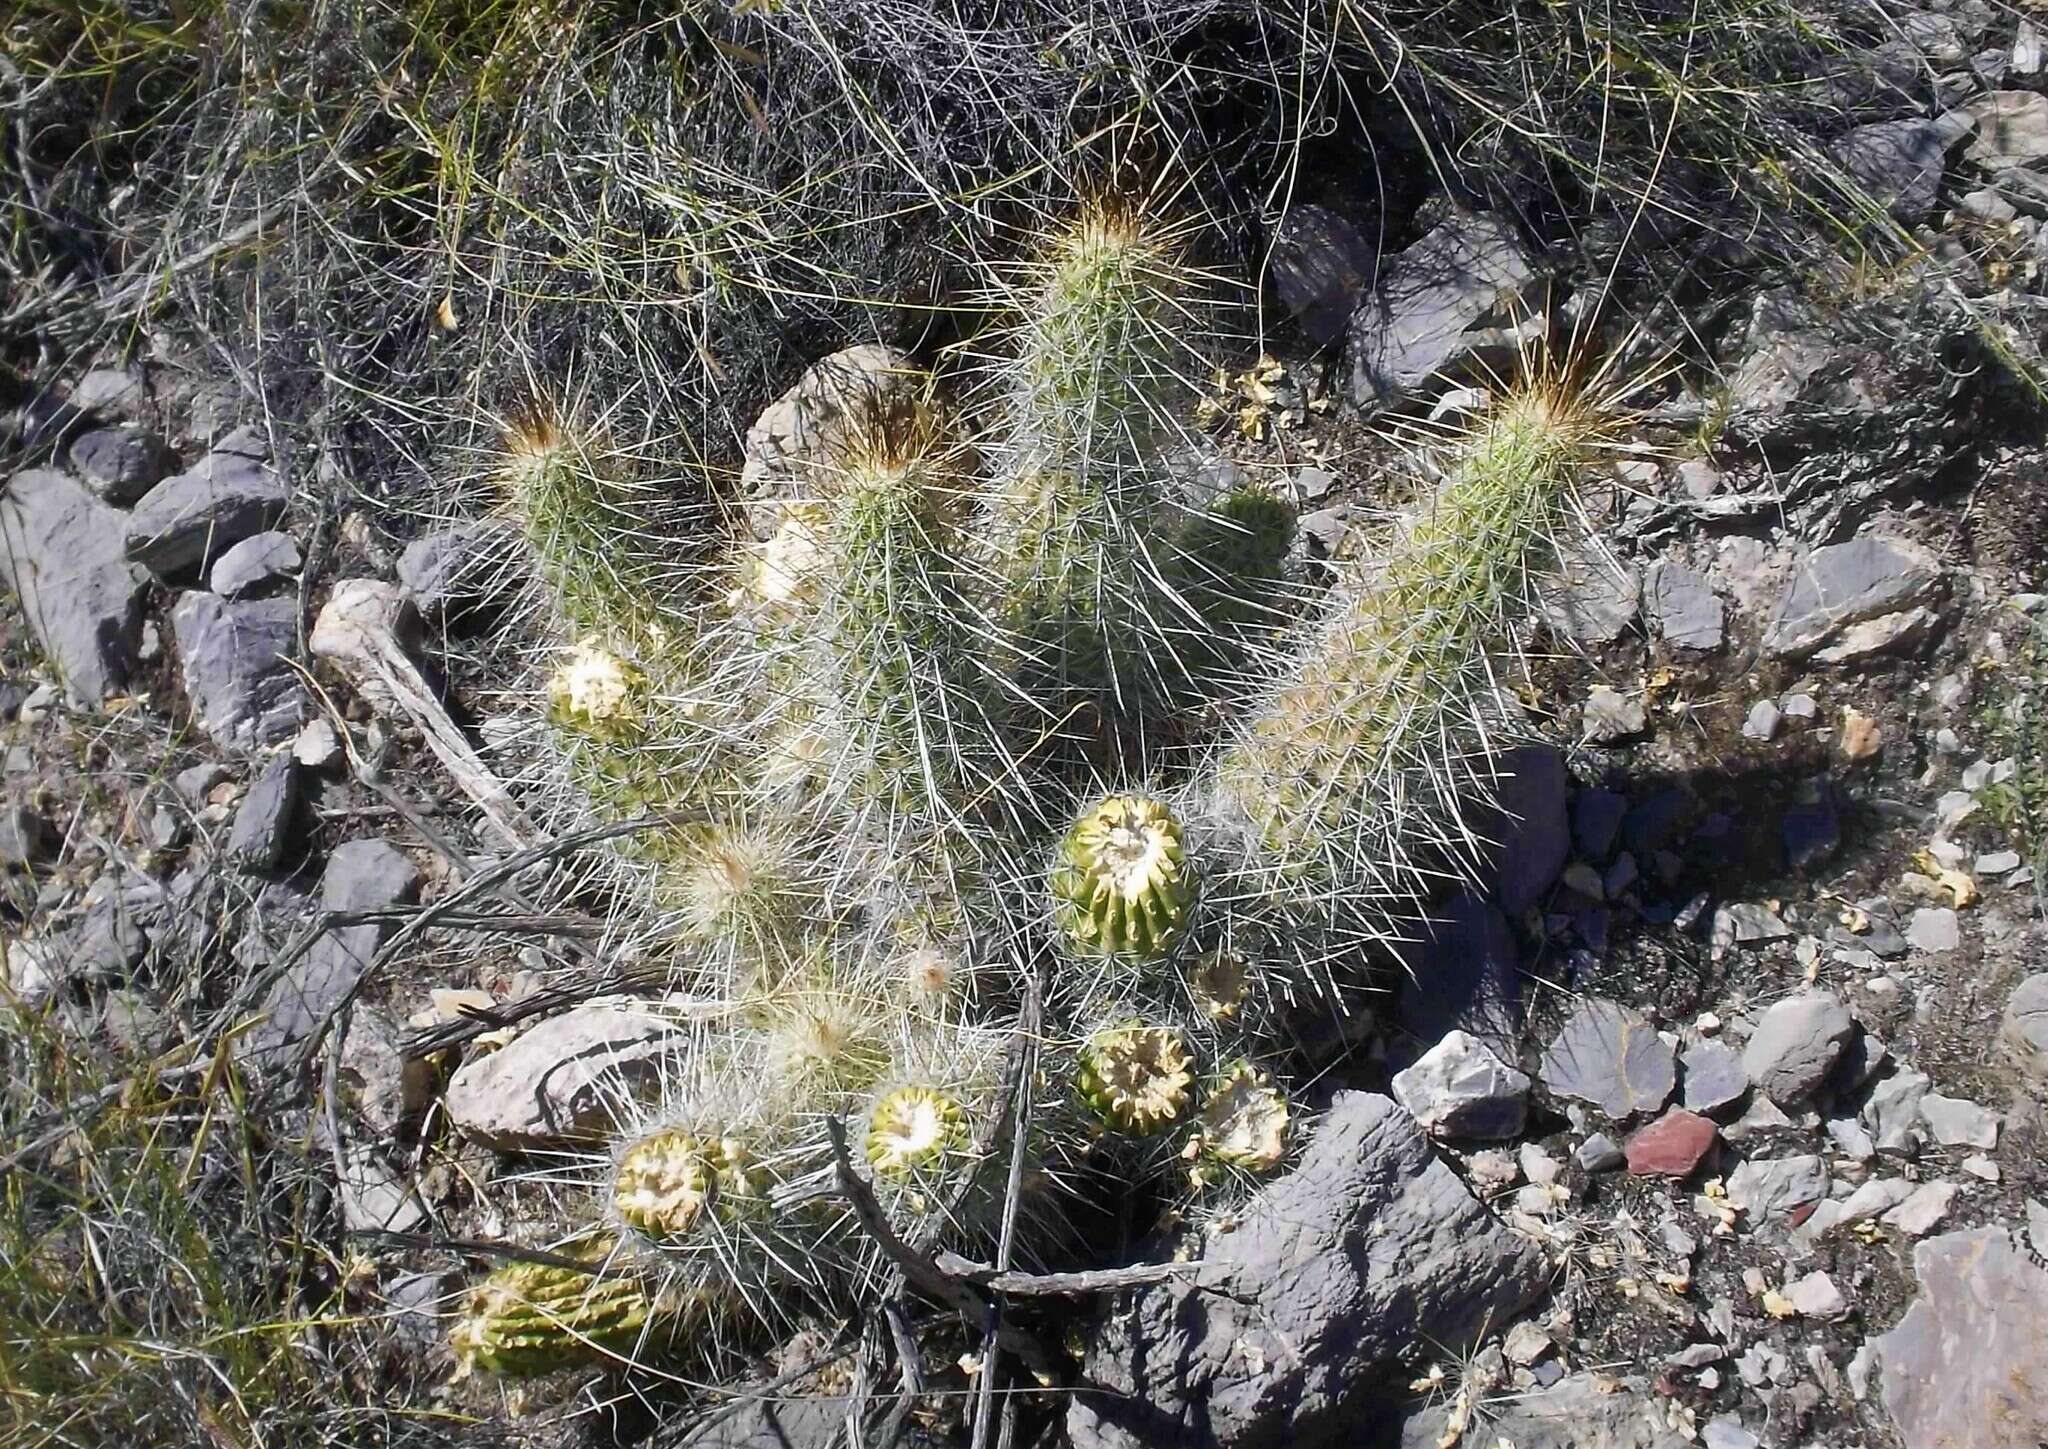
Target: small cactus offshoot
x=1243, y=1122
x=596, y=692
x=1136, y=1078
x=528, y=1319
x=912, y=1128
x=667, y=1180
x=1121, y=883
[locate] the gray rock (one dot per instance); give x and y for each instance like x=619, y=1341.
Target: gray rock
x=1612, y=1057
x=1459, y=1089
x=1796, y=1044
x=1899, y=163
x=1599, y=1153
x=1580, y=1411
x=254, y=561
x=1767, y=1188
x=1471, y=272
x=1591, y=597
x=1325, y=1280
x=1611, y=716
x=1845, y=584
x=2012, y=129
x=802, y=427
x=385, y=1088
x=373, y=1196
x=1886, y=634
x=361, y=875
x=1879, y=1195
x=1934, y=928
x=563, y=1079
x=112, y=392
x=119, y=464
x=463, y=567
x=1684, y=606
x=1763, y=720
x=1968, y=1364
x=2037, y=1227
x=782, y=1420
x=26, y=837
x=1712, y=1077
x=1922, y=1211
x=236, y=656
x=1527, y=824
x=192, y=518
x=1956, y=1122
x=1892, y=1112
x=2024, y=1029
x=1320, y=265
x=262, y=827
x=1744, y=923
x=1726, y=1432
x=124, y=911
x=60, y=550
x=1816, y=1296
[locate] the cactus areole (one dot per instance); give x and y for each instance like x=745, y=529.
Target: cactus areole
x=1121, y=884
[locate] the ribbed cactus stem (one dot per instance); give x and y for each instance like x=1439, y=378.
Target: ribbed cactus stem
x=1378, y=724
x=527, y=1319
x=1243, y=1121
x=1136, y=1078
x=1121, y=883
x=668, y=1180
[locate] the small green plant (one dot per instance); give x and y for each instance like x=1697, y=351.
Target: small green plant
x=528, y=1319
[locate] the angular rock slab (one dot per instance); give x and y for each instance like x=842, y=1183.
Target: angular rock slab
x=2024, y=1028
x=563, y=1080
x=1968, y=1364
x=60, y=551
x=190, y=519
x=1459, y=1089
x=1584, y=1411
x=1845, y=584
x=1612, y=1057
x=361, y=875
x=1796, y=1044
x=1469, y=273
x=237, y=665
x=1366, y=1249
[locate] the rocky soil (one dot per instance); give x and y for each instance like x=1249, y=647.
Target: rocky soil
x=1719, y=1115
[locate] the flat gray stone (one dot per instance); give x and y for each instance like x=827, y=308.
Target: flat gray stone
x=1600, y=1153
x=462, y=567
x=361, y=875
x=262, y=828
x=1845, y=584
x=1934, y=928
x=1590, y=596
x=236, y=658
x=192, y=518
x=2024, y=1028
x=1612, y=1057
x=1763, y=720
x=1816, y=1296
x=2012, y=129
x=1767, y=1188
x=1956, y=1122
x=1325, y=1280
x=1712, y=1077
x=1900, y=163
x=1470, y=273
x=564, y=1079
x=1886, y=634
x=119, y=464
x=1892, y=1112
x=1744, y=923
x=253, y=562
x=1921, y=1212
x=1684, y=607
x=1611, y=716
x=1796, y=1044
x=1580, y=1411
x=60, y=551
x=1459, y=1089
x=1320, y=265
x=1527, y=825
x=1968, y=1364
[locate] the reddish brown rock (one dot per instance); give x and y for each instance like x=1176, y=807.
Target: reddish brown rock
x=1671, y=1146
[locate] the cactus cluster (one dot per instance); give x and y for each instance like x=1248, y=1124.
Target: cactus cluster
x=993, y=701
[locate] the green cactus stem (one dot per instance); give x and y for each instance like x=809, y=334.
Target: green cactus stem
x=1121, y=883
x=528, y=1319
x=1136, y=1078
x=1243, y=1122
x=914, y=1128
x=667, y=1180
